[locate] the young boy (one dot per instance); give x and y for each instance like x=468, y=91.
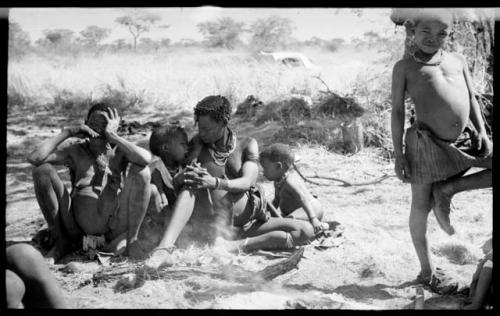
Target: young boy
x=109, y=178
x=169, y=143
x=290, y=192
x=440, y=86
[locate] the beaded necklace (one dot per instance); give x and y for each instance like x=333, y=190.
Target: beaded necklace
x=437, y=62
x=220, y=157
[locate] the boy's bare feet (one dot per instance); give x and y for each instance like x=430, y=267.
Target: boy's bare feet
x=159, y=258
x=442, y=208
x=437, y=281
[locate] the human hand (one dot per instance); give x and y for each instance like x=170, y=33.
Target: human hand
x=81, y=131
x=197, y=181
x=112, y=122
x=482, y=143
x=402, y=168
x=316, y=223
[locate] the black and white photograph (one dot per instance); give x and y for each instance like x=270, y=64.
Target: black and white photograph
x=249, y=158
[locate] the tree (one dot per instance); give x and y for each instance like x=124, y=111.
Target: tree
x=19, y=41
x=334, y=44
x=57, y=39
x=139, y=23
x=149, y=44
x=93, y=35
x=223, y=32
x=58, y=36
x=371, y=37
x=271, y=33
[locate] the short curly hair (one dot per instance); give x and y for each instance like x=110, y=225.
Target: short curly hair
x=217, y=107
x=163, y=134
x=278, y=153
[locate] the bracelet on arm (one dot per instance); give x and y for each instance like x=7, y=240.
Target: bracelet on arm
x=223, y=184
x=217, y=183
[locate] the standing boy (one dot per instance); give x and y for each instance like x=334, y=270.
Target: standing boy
x=440, y=86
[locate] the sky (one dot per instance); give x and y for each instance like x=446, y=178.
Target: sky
x=325, y=23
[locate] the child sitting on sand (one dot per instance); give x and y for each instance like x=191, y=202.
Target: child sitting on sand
x=169, y=143
x=290, y=192
x=440, y=86
x=481, y=289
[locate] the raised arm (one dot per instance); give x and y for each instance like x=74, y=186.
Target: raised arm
x=475, y=115
x=132, y=152
x=46, y=151
x=398, y=119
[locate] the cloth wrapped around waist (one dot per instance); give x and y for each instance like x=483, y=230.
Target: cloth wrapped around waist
x=256, y=208
x=432, y=159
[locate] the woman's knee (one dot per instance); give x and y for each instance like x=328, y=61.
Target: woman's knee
x=22, y=253
x=142, y=173
x=14, y=288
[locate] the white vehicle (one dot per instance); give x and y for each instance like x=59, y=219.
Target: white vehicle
x=291, y=59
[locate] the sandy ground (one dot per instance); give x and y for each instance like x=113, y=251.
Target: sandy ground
x=368, y=269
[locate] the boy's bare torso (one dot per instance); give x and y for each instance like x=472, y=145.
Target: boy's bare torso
x=91, y=175
x=440, y=94
x=289, y=200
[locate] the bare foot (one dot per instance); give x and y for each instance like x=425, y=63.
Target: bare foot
x=160, y=257
x=442, y=208
x=471, y=307
x=437, y=282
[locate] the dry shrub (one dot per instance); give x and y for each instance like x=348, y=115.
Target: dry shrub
x=344, y=109
x=248, y=108
x=288, y=112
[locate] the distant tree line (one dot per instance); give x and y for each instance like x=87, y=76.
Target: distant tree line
x=268, y=34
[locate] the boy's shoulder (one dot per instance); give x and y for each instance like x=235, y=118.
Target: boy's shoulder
x=293, y=179
x=456, y=57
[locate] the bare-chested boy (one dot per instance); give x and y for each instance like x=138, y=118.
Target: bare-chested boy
x=110, y=182
x=169, y=144
x=290, y=192
x=440, y=86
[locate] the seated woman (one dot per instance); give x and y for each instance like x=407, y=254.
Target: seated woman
x=216, y=192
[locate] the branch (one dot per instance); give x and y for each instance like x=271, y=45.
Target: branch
x=344, y=182
x=324, y=83
x=348, y=184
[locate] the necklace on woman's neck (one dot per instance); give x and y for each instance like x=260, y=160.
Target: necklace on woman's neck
x=436, y=62
x=220, y=157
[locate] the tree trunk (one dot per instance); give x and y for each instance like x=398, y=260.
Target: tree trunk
x=352, y=136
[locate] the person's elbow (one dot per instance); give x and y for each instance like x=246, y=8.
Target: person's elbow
x=35, y=159
x=143, y=159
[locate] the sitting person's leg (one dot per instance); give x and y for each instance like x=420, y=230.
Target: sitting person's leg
x=14, y=290
x=55, y=204
x=181, y=213
x=134, y=201
x=42, y=290
x=276, y=233
x=300, y=213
